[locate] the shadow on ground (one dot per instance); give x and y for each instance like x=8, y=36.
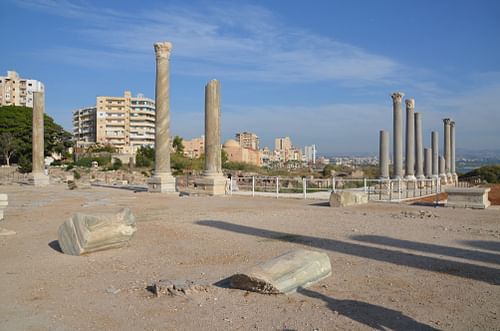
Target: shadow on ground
x=374, y=316
x=484, y=244
x=54, y=244
x=431, y=248
x=460, y=269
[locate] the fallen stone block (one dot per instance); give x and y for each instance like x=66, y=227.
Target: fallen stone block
x=176, y=288
x=347, y=198
x=285, y=273
x=476, y=198
x=83, y=233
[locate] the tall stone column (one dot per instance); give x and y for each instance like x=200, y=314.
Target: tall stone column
x=428, y=162
x=452, y=148
x=435, y=154
x=447, y=147
x=162, y=180
x=442, y=169
x=419, y=147
x=384, y=155
x=410, y=139
x=213, y=181
x=38, y=163
x=397, y=156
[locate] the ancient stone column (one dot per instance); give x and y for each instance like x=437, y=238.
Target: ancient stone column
x=435, y=155
x=419, y=147
x=428, y=162
x=38, y=163
x=397, y=156
x=442, y=169
x=213, y=182
x=162, y=179
x=452, y=148
x=384, y=155
x=410, y=139
x=447, y=147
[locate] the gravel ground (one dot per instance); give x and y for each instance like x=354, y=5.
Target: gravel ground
x=395, y=266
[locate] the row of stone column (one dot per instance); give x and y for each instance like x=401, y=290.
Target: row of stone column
x=212, y=181
x=420, y=162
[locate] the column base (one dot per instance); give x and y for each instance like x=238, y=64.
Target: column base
x=213, y=185
x=411, y=177
x=40, y=179
x=449, y=178
x=455, y=178
x=444, y=179
x=162, y=183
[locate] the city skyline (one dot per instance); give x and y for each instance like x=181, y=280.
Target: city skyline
x=316, y=73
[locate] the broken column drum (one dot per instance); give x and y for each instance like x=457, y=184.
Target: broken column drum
x=397, y=156
x=410, y=139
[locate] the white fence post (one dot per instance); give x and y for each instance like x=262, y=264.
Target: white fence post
x=364, y=184
x=253, y=186
x=304, y=187
x=277, y=187
x=231, y=185
x=399, y=189
x=333, y=185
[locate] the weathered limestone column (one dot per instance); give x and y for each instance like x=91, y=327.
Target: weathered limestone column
x=38, y=173
x=397, y=156
x=447, y=148
x=442, y=169
x=419, y=147
x=435, y=154
x=384, y=155
x=213, y=181
x=410, y=139
x=162, y=180
x=428, y=162
x=452, y=148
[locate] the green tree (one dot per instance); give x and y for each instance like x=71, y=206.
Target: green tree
x=17, y=121
x=145, y=156
x=7, y=146
x=178, y=146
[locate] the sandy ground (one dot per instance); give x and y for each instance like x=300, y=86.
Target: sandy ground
x=392, y=268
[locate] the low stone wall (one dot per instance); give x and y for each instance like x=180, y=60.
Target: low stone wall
x=476, y=198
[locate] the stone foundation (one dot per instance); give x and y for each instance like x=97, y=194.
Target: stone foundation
x=211, y=185
x=476, y=198
x=162, y=184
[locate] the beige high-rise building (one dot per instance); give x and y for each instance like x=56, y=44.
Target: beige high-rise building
x=125, y=123
x=248, y=140
x=17, y=91
x=194, y=148
x=236, y=153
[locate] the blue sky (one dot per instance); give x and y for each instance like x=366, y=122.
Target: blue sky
x=318, y=71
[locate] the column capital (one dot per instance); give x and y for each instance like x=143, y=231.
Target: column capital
x=163, y=49
x=397, y=97
x=447, y=121
x=452, y=123
x=410, y=103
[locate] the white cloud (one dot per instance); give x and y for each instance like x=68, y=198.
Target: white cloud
x=238, y=42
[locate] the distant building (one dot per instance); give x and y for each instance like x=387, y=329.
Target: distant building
x=236, y=153
x=248, y=140
x=194, y=148
x=16, y=91
x=310, y=154
x=282, y=144
x=125, y=123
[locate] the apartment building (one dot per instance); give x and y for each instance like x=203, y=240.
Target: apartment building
x=248, y=140
x=310, y=154
x=194, y=148
x=84, y=126
x=125, y=123
x=17, y=91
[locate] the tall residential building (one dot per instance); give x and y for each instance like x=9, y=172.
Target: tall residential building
x=194, y=148
x=17, y=91
x=283, y=144
x=125, y=123
x=310, y=154
x=84, y=126
x=236, y=153
x=248, y=140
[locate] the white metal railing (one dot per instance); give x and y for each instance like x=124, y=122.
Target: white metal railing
x=307, y=188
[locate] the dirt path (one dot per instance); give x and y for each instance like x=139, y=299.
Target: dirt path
x=394, y=266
